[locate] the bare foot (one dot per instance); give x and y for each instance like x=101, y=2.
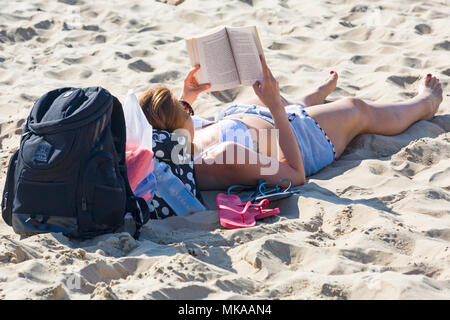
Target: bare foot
x=430, y=90
x=328, y=86
x=319, y=95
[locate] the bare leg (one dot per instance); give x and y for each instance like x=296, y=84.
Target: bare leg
x=314, y=98
x=346, y=118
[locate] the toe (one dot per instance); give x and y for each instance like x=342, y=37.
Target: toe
x=433, y=82
x=437, y=83
x=333, y=74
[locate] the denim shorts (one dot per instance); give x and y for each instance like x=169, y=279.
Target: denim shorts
x=316, y=147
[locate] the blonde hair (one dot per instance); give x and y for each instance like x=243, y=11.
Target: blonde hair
x=162, y=109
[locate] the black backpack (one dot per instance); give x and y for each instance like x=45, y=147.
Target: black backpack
x=69, y=174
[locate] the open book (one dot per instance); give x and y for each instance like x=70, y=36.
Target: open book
x=228, y=57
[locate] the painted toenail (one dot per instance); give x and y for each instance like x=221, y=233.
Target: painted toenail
x=331, y=72
x=429, y=75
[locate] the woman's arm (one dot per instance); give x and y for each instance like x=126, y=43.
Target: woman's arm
x=231, y=163
x=269, y=93
x=191, y=87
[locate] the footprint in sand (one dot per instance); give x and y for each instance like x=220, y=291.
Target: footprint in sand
x=412, y=62
x=45, y=24
x=91, y=28
x=72, y=2
x=278, y=46
x=359, y=8
x=28, y=98
x=42, y=39
x=12, y=251
x=347, y=24
x=171, y=2
x=70, y=61
x=116, y=20
x=19, y=34
x=402, y=81
x=133, y=23
x=333, y=291
x=146, y=29
x=442, y=45
x=78, y=38
x=25, y=34
x=123, y=55
x=226, y=95
x=140, y=53
x=424, y=151
x=443, y=234
x=140, y=66
x=249, y=2
x=165, y=76
x=160, y=42
x=21, y=122
x=418, y=8
x=422, y=29
x=360, y=59
x=69, y=73
x=100, y=39
x=136, y=8
x=354, y=87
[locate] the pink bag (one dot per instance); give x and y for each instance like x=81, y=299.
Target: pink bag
x=139, y=155
x=139, y=165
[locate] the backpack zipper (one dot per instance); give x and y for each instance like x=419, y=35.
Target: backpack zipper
x=83, y=204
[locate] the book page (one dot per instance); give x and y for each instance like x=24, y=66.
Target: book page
x=216, y=61
x=246, y=48
x=193, y=53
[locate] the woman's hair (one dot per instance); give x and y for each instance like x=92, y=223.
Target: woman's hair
x=162, y=109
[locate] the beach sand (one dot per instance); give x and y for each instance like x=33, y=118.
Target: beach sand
x=373, y=225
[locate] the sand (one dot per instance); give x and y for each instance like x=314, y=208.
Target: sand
x=373, y=225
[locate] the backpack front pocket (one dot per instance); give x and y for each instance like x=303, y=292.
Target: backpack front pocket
x=108, y=205
x=104, y=196
x=44, y=198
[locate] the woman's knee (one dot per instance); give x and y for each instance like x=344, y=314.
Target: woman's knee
x=362, y=111
x=357, y=103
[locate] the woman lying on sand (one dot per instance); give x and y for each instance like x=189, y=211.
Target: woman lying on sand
x=312, y=134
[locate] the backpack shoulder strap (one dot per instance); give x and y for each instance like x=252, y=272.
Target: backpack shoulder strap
x=8, y=190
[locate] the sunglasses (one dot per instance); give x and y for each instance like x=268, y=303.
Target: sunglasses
x=187, y=107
